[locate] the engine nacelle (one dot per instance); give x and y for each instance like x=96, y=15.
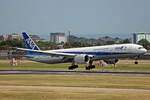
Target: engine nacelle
x=111, y=61
x=81, y=59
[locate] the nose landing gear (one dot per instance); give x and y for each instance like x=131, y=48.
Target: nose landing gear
x=136, y=62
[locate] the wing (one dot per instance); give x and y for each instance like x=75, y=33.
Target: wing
x=47, y=52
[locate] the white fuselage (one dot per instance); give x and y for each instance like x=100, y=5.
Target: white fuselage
x=115, y=50
x=100, y=52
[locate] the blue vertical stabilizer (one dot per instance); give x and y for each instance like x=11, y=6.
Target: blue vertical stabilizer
x=30, y=44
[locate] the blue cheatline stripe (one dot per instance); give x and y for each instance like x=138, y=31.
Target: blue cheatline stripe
x=35, y=54
x=87, y=53
x=98, y=53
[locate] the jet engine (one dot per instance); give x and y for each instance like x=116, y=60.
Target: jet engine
x=111, y=61
x=81, y=59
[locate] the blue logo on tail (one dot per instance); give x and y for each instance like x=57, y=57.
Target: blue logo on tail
x=29, y=42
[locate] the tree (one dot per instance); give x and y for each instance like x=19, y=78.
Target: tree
x=144, y=43
x=79, y=44
x=8, y=44
x=126, y=41
x=97, y=43
x=52, y=45
x=67, y=45
x=110, y=42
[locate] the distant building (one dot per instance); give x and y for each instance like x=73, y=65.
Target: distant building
x=58, y=38
x=139, y=36
x=3, y=37
x=15, y=36
x=42, y=40
x=36, y=38
x=103, y=40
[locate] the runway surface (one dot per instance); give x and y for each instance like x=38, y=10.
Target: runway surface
x=73, y=88
x=67, y=72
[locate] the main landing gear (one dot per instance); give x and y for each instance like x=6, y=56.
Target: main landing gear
x=90, y=65
x=87, y=67
x=73, y=66
x=136, y=62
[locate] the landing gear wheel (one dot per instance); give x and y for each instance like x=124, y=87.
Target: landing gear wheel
x=73, y=67
x=90, y=67
x=136, y=62
x=87, y=68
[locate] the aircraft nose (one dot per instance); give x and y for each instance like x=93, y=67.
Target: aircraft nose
x=144, y=50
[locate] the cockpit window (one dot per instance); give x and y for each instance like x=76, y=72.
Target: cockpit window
x=140, y=48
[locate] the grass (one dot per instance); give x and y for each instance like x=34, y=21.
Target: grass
x=93, y=81
x=63, y=94
x=102, y=81
x=122, y=82
x=27, y=65
x=126, y=82
x=123, y=65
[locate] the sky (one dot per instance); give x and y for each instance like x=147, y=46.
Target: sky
x=88, y=18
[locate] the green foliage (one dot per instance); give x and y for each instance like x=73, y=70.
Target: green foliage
x=98, y=44
x=144, y=43
x=46, y=45
x=67, y=45
x=79, y=44
x=26, y=65
x=110, y=42
x=8, y=44
x=125, y=41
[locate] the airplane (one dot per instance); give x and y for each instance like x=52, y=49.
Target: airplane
x=83, y=55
